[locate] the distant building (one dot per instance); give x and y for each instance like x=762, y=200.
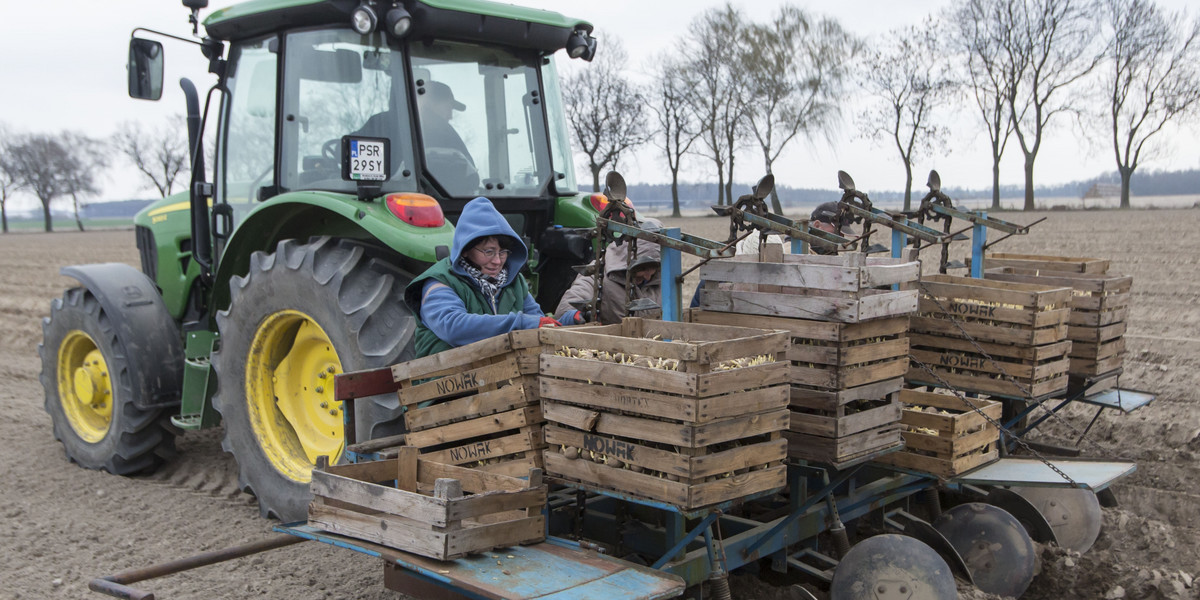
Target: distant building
x=1102, y=190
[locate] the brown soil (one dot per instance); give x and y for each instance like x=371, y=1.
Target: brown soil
x=65, y=525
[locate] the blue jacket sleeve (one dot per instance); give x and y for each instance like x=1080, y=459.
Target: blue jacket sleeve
x=444, y=313
x=532, y=307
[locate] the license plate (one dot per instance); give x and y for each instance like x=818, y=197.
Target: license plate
x=365, y=159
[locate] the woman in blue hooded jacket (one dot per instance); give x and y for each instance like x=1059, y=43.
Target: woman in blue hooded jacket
x=478, y=291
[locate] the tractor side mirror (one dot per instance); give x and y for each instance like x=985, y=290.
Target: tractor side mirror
x=145, y=69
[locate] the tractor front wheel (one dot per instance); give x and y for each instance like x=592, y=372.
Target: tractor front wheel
x=300, y=316
x=91, y=394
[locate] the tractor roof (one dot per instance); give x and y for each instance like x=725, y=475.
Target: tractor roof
x=474, y=20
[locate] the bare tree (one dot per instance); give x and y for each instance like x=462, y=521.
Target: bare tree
x=713, y=43
x=606, y=110
x=908, y=80
x=35, y=161
x=677, y=128
x=159, y=153
x=81, y=166
x=980, y=39
x=1052, y=47
x=1152, y=77
x=796, y=66
x=9, y=184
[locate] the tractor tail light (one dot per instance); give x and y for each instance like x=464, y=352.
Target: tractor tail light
x=599, y=201
x=418, y=210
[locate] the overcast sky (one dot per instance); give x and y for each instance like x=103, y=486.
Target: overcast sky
x=66, y=70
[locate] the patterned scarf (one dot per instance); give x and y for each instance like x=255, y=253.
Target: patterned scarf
x=490, y=286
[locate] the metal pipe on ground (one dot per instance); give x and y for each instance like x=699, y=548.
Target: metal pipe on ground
x=117, y=585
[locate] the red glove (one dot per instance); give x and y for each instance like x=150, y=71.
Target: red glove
x=547, y=322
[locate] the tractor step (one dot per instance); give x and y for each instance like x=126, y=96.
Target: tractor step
x=187, y=422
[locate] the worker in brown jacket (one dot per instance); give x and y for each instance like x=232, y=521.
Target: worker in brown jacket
x=644, y=278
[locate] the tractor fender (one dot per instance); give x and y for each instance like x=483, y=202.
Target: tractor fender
x=304, y=215
x=148, y=335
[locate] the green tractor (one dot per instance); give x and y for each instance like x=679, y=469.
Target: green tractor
x=333, y=185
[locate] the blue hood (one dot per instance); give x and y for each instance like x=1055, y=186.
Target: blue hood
x=481, y=219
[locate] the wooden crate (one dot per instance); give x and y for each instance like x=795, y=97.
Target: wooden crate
x=945, y=444
x=963, y=321
x=692, y=436
x=427, y=508
x=828, y=355
x=1099, y=305
x=847, y=288
x=1046, y=263
x=476, y=405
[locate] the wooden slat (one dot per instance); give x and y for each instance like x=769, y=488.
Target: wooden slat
x=1097, y=350
x=483, y=449
x=1022, y=352
x=826, y=308
x=473, y=480
x=596, y=372
x=1084, y=282
x=461, y=382
x=986, y=385
x=880, y=275
x=462, y=430
x=378, y=497
x=822, y=277
x=841, y=449
x=666, y=432
x=846, y=425
x=719, y=383
x=485, y=403
x=847, y=377
x=495, y=535
x=983, y=290
x=956, y=309
x=1097, y=319
x=1096, y=334
x=830, y=400
x=377, y=528
x=573, y=338
x=988, y=333
x=1051, y=263
x=454, y=359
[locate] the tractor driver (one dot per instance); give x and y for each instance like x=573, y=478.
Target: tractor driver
x=445, y=152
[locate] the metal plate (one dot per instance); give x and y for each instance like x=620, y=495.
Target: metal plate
x=1091, y=474
x=544, y=571
x=1125, y=400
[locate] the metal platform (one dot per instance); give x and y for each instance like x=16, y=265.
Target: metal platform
x=1094, y=475
x=553, y=570
x=1126, y=401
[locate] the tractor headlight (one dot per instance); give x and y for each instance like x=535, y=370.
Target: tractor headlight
x=363, y=19
x=581, y=45
x=398, y=21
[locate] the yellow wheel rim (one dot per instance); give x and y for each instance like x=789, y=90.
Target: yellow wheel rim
x=84, y=389
x=289, y=393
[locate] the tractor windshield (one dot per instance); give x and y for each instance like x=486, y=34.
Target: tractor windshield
x=463, y=119
x=481, y=119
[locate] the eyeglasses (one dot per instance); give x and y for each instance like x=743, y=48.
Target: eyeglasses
x=491, y=253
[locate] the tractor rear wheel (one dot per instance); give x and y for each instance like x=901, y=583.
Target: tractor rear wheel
x=301, y=315
x=90, y=393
